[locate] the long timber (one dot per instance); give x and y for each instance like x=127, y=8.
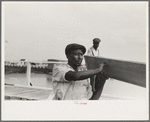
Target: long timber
x=126, y=71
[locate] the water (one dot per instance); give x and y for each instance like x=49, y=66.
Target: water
x=40, y=80
x=113, y=89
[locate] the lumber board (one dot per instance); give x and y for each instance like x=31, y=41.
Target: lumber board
x=126, y=71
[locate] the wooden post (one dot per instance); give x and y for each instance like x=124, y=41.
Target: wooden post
x=28, y=73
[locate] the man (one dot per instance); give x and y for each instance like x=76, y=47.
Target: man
x=94, y=51
x=70, y=81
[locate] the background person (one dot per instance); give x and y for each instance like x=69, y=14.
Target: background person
x=94, y=51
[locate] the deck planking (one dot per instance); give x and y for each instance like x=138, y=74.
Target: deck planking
x=29, y=93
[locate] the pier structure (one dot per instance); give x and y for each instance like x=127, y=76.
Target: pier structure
x=28, y=92
x=126, y=71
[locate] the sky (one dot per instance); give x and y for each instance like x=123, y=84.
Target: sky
x=39, y=31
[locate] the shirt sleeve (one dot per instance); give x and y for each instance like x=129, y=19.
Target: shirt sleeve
x=89, y=52
x=98, y=53
x=59, y=72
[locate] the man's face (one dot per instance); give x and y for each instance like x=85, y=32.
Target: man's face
x=95, y=45
x=75, y=57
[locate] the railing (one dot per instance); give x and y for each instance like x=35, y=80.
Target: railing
x=30, y=64
x=29, y=69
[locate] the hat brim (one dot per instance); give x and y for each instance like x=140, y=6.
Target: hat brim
x=72, y=47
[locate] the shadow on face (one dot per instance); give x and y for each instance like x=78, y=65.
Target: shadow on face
x=95, y=45
x=75, y=57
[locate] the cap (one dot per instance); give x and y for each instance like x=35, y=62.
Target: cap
x=97, y=40
x=74, y=46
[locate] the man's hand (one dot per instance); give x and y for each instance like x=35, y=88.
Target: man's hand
x=101, y=66
x=93, y=78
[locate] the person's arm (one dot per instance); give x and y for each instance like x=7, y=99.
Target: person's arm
x=98, y=53
x=99, y=85
x=81, y=75
x=89, y=52
x=92, y=82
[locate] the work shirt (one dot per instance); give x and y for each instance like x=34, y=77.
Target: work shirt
x=69, y=90
x=93, y=52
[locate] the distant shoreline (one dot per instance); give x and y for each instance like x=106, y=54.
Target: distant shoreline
x=15, y=69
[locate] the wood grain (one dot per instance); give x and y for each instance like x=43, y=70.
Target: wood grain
x=127, y=71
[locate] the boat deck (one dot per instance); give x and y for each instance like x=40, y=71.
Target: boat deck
x=13, y=92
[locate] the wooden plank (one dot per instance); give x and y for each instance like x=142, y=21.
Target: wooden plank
x=130, y=72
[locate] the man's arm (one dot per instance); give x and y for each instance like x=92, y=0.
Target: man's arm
x=99, y=85
x=89, y=52
x=92, y=82
x=81, y=75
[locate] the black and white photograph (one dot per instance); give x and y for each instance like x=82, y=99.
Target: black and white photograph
x=78, y=60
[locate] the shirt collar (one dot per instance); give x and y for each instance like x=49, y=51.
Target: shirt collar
x=72, y=68
x=94, y=48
